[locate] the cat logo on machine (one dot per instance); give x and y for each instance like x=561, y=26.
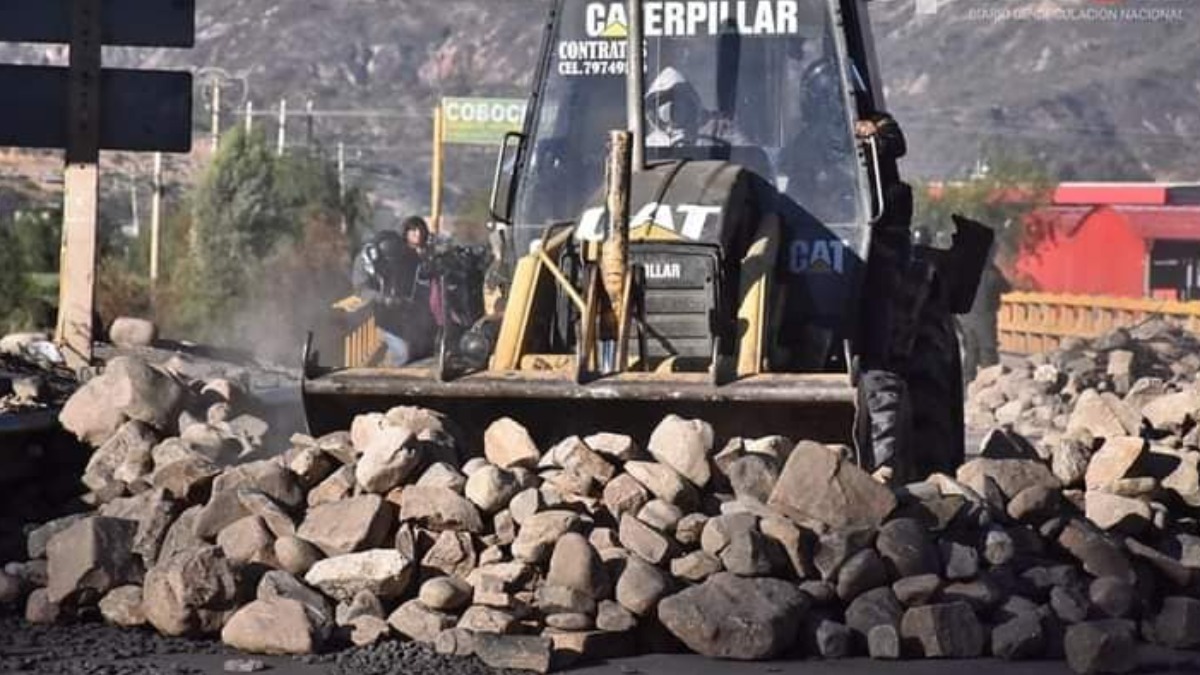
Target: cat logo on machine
x=652, y=221
x=692, y=18
x=663, y=271
x=821, y=256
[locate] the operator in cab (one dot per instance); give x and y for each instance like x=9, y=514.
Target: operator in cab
x=391, y=273
x=678, y=117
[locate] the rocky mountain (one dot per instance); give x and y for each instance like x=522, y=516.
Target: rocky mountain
x=1096, y=89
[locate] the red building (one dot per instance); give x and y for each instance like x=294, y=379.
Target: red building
x=1131, y=240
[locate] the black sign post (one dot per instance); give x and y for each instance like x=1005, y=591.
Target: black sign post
x=84, y=109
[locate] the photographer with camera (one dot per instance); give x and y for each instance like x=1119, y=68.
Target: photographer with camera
x=391, y=272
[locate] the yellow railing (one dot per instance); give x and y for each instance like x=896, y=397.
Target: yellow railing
x=1030, y=323
x=362, y=345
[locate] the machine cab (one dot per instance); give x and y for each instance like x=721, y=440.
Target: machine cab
x=772, y=85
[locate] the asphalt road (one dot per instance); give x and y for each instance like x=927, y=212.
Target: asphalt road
x=94, y=649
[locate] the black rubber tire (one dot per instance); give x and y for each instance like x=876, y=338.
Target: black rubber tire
x=935, y=386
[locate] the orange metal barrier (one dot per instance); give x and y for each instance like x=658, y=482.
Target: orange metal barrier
x=1030, y=323
x=362, y=345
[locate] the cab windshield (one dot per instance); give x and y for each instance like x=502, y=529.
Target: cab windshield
x=756, y=82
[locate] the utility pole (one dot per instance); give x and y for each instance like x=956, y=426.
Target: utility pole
x=216, y=115
x=282, y=145
x=311, y=126
x=156, y=216
x=133, y=208
x=249, y=117
x=341, y=169
x=435, y=197
x=77, y=286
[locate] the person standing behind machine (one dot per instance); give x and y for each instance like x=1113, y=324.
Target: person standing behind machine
x=390, y=272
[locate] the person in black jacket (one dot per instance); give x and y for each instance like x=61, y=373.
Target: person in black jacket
x=390, y=272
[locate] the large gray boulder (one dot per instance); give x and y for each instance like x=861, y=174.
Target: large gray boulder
x=192, y=593
x=90, y=558
x=129, y=389
x=730, y=617
x=272, y=626
x=818, y=485
x=684, y=445
x=349, y=525
x=384, y=573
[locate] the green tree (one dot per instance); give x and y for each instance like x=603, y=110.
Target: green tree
x=249, y=207
x=1010, y=196
x=14, y=286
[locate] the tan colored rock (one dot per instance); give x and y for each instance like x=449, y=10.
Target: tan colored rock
x=484, y=620
x=507, y=444
x=276, y=626
x=123, y=459
x=575, y=564
x=665, y=483
x=1095, y=414
x=439, y=509
x=389, y=459
x=188, y=480
x=818, y=485
x=443, y=475
x=191, y=593
x=624, y=494
x=491, y=488
x=1115, y=459
x=351, y=525
x=90, y=558
x=296, y=556
x=643, y=540
x=583, y=460
x=696, y=566
x=446, y=594
x=417, y=622
x=452, y=554
x=537, y=537
x=129, y=389
x=248, y=541
x=1010, y=475
x=1113, y=512
x=40, y=610
x=684, y=445
x=123, y=607
x=617, y=447
x=1173, y=410
x=384, y=573
x=368, y=630
x=338, y=486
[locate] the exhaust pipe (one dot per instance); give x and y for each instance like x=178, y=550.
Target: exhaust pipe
x=635, y=84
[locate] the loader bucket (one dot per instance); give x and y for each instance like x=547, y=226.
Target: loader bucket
x=813, y=407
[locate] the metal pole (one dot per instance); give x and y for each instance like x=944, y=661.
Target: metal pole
x=311, y=126
x=635, y=84
x=249, y=117
x=156, y=215
x=133, y=209
x=216, y=115
x=81, y=194
x=282, y=144
x=438, y=171
x=341, y=169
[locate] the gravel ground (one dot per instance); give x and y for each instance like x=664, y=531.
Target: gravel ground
x=93, y=648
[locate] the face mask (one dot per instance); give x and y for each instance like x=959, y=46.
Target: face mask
x=666, y=114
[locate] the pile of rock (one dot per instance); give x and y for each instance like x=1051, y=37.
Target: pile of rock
x=1037, y=394
x=532, y=558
